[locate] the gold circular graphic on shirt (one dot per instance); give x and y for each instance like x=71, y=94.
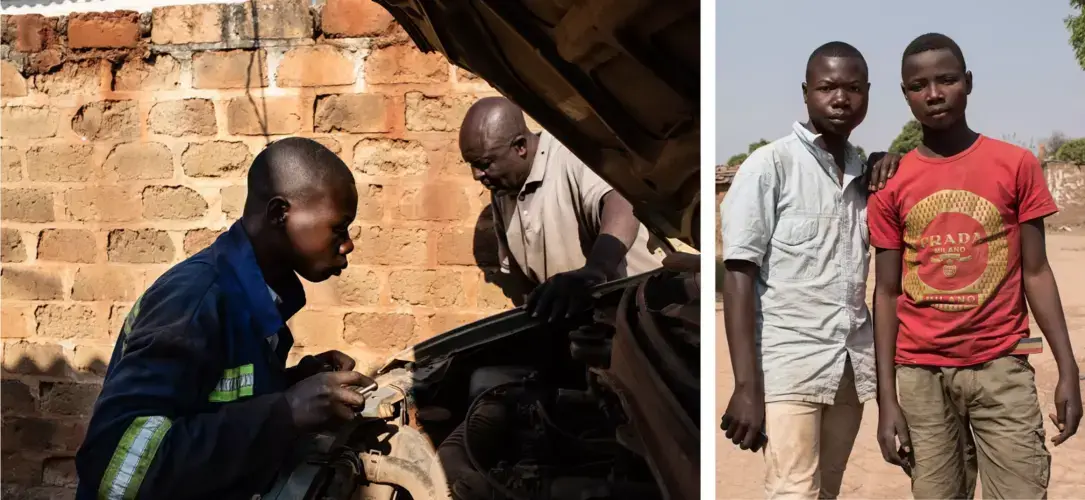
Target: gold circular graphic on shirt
x=988, y=217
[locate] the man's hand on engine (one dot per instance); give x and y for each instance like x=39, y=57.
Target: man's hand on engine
x=564, y=294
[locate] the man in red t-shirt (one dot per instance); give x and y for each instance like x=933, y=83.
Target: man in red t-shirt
x=960, y=247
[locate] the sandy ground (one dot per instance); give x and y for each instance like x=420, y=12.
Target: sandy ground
x=740, y=473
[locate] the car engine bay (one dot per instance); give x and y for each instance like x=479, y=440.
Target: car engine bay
x=603, y=405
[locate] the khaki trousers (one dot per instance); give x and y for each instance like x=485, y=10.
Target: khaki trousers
x=809, y=443
x=987, y=413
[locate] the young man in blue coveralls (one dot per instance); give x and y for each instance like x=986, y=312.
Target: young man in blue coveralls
x=197, y=401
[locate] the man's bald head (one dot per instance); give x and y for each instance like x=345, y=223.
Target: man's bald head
x=492, y=119
x=495, y=141
x=296, y=169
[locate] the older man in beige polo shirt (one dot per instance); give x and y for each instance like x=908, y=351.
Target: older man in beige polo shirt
x=558, y=223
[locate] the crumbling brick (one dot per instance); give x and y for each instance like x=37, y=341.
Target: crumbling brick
x=178, y=24
x=67, y=245
x=12, y=164
x=27, y=205
x=140, y=246
x=436, y=202
x=380, y=331
x=358, y=287
x=63, y=322
x=264, y=116
x=115, y=29
x=216, y=159
x=427, y=287
x=67, y=398
x=107, y=120
x=60, y=163
x=160, y=72
x=353, y=113
x=102, y=204
x=12, y=83
x=140, y=161
x=12, y=248
x=275, y=19
x=182, y=118
x=405, y=64
x=355, y=18
x=230, y=69
x=107, y=283
x=388, y=246
x=173, y=202
x=392, y=157
x=29, y=122
x=317, y=66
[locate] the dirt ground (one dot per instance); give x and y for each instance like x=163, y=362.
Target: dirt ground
x=739, y=474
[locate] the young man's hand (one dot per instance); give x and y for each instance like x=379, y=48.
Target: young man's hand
x=328, y=361
x=883, y=166
x=1067, y=414
x=745, y=417
x=892, y=427
x=324, y=398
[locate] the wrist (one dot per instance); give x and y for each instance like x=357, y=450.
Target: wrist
x=1067, y=368
x=887, y=398
x=598, y=269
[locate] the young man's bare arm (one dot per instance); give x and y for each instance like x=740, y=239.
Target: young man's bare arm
x=887, y=289
x=746, y=410
x=1042, y=294
x=739, y=314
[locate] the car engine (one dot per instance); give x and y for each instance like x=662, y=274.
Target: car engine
x=603, y=405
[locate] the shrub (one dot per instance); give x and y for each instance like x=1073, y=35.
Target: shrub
x=1073, y=152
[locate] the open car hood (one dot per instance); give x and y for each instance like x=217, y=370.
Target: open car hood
x=616, y=81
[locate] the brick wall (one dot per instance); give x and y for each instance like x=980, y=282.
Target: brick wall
x=125, y=140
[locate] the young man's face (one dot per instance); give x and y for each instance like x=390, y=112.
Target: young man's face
x=835, y=92
x=318, y=232
x=936, y=87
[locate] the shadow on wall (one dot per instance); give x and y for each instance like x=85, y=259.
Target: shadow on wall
x=46, y=406
x=486, y=258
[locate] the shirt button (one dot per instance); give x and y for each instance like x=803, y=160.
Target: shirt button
x=521, y=197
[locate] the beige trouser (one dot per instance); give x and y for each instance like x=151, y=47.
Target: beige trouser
x=809, y=443
x=987, y=413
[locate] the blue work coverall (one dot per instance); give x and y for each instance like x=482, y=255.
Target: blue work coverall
x=192, y=405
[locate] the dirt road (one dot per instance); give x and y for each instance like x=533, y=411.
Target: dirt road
x=740, y=473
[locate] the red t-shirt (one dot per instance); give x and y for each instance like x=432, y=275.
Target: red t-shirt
x=957, y=221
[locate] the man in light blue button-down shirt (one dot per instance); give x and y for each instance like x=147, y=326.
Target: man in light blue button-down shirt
x=796, y=255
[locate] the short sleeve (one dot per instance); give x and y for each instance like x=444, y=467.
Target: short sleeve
x=592, y=190
x=748, y=211
x=884, y=220
x=1034, y=199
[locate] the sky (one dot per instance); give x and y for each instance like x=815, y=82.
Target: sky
x=1026, y=81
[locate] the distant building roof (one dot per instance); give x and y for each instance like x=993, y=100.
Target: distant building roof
x=724, y=174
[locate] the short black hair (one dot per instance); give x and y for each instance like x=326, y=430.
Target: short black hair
x=934, y=41
x=837, y=49
x=294, y=167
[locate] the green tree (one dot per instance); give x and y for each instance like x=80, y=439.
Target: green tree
x=1073, y=151
x=911, y=135
x=1075, y=23
x=862, y=153
x=755, y=145
x=737, y=159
